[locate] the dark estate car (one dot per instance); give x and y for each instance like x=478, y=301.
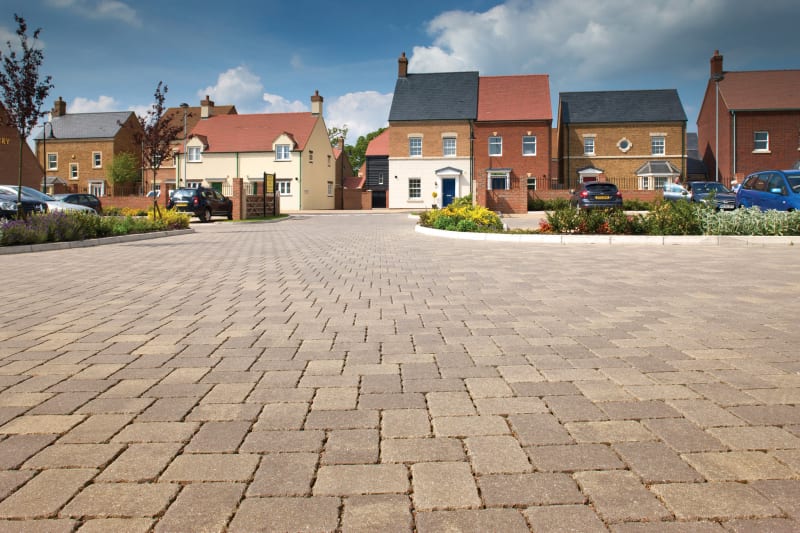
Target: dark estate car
x=702, y=190
x=770, y=189
x=8, y=206
x=89, y=200
x=202, y=202
x=596, y=195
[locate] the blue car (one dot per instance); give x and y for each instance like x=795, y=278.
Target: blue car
x=770, y=189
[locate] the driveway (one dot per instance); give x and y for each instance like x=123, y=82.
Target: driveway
x=341, y=372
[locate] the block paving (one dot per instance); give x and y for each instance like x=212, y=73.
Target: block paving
x=340, y=372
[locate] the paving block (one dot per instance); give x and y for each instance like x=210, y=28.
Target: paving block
x=121, y=500
x=284, y=474
x=344, y=480
x=377, y=512
x=319, y=514
x=715, y=501
x=444, y=486
x=189, y=468
x=517, y=490
x=559, y=518
x=619, y=496
x=472, y=521
x=202, y=507
x=497, y=455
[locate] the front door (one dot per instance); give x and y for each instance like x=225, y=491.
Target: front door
x=448, y=191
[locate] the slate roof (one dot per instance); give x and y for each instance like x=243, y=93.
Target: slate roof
x=89, y=125
x=253, y=133
x=608, y=107
x=515, y=98
x=761, y=90
x=694, y=165
x=658, y=168
x=435, y=96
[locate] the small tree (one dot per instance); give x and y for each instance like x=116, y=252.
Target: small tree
x=124, y=168
x=23, y=93
x=357, y=153
x=335, y=133
x=156, y=137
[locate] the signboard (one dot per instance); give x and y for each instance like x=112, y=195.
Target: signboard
x=269, y=183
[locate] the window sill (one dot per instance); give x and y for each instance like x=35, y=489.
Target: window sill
x=528, y=155
x=282, y=160
x=764, y=151
x=415, y=200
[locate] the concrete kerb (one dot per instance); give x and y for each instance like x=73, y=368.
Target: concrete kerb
x=48, y=246
x=655, y=240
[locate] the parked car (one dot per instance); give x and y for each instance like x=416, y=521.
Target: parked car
x=596, y=194
x=8, y=206
x=154, y=194
x=676, y=191
x=770, y=189
x=700, y=191
x=89, y=200
x=201, y=202
x=53, y=205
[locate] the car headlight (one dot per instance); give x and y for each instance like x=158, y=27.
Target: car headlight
x=7, y=205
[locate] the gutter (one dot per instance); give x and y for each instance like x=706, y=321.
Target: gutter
x=300, y=183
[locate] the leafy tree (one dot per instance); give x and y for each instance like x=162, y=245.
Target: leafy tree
x=124, y=168
x=357, y=153
x=335, y=133
x=156, y=136
x=23, y=92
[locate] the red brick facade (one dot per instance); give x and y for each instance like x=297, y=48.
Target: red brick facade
x=522, y=167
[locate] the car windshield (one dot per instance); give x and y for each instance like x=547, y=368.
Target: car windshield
x=709, y=186
x=183, y=194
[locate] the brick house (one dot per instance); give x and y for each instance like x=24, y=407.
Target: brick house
x=293, y=146
x=169, y=171
x=81, y=146
x=32, y=173
x=512, y=140
x=636, y=139
x=755, y=119
x=430, y=130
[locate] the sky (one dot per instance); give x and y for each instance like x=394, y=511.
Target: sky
x=267, y=57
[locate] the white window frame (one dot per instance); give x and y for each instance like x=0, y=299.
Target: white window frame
x=97, y=187
x=193, y=154
x=97, y=159
x=532, y=183
x=415, y=146
x=764, y=140
x=415, y=188
x=589, y=147
x=495, y=146
x=52, y=164
x=330, y=188
x=74, y=171
x=283, y=152
x=528, y=140
x=284, y=187
x=492, y=175
x=658, y=145
x=449, y=146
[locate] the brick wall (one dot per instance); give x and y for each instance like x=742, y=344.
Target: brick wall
x=784, y=141
x=356, y=199
x=431, y=137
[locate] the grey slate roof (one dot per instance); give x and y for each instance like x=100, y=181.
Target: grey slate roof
x=694, y=164
x=89, y=125
x=604, y=107
x=658, y=168
x=435, y=96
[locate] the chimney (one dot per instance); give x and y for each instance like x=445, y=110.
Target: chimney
x=402, y=66
x=716, y=65
x=341, y=144
x=316, y=103
x=206, y=108
x=59, y=107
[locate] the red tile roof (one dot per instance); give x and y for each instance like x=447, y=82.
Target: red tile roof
x=255, y=133
x=761, y=90
x=379, y=145
x=354, y=182
x=514, y=98
x=175, y=116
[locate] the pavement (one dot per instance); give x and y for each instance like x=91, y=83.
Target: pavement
x=344, y=373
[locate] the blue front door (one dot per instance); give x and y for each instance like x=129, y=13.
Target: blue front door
x=448, y=191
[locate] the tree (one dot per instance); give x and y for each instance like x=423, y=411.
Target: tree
x=124, y=168
x=335, y=133
x=23, y=93
x=357, y=153
x=156, y=137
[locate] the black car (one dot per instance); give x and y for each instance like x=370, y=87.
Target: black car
x=596, y=195
x=8, y=206
x=89, y=200
x=202, y=202
x=700, y=191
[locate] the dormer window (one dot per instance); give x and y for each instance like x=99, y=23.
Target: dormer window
x=282, y=152
x=193, y=154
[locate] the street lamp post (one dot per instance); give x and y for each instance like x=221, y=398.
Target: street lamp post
x=717, y=78
x=185, y=107
x=44, y=156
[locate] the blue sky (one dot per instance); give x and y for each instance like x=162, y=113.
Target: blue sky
x=266, y=56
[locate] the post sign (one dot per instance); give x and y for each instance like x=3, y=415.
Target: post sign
x=269, y=182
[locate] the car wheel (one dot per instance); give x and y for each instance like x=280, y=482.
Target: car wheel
x=205, y=215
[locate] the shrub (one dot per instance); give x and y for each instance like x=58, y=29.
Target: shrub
x=461, y=216
x=750, y=221
x=677, y=218
x=539, y=204
x=636, y=205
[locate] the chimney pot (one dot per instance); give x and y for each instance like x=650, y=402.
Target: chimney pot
x=59, y=108
x=402, y=66
x=316, y=103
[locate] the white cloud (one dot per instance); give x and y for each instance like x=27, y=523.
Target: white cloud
x=361, y=112
x=279, y=104
x=237, y=86
x=85, y=105
x=100, y=10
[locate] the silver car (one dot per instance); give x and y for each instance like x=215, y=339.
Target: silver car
x=676, y=191
x=52, y=204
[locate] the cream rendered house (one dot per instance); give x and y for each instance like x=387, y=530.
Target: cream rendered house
x=293, y=146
